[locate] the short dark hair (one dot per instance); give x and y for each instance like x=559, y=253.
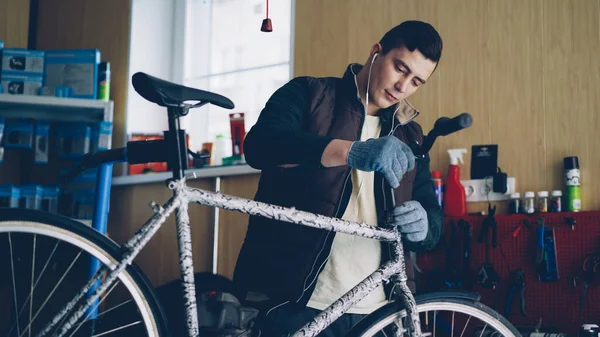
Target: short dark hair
x=414, y=35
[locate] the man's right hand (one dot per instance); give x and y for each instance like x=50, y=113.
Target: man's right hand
x=387, y=155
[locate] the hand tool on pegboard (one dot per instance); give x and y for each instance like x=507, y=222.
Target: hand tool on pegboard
x=487, y=275
x=518, y=229
x=467, y=282
x=546, y=255
x=452, y=278
x=571, y=222
x=591, y=267
x=517, y=286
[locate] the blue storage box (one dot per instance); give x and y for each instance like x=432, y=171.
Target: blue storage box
x=18, y=134
x=9, y=196
x=83, y=204
x=21, y=84
x=20, y=61
x=50, y=196
x=101, y=136
x=73, y=139
x=31, y=197
x=76, y=69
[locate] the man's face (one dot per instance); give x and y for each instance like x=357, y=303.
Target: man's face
x=397, y=75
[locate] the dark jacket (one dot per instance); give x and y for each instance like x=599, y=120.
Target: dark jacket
x=281, y=259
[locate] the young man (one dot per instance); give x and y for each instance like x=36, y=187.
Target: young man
x=334, y=146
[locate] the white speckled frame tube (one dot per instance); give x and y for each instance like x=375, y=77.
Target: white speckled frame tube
x=393, y=271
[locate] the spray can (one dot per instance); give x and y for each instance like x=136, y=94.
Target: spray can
x=438, y=186
x=104, y=81
x=572, y=184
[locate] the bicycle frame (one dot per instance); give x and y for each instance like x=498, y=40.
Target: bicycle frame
x=393, y=271
x=183, y=195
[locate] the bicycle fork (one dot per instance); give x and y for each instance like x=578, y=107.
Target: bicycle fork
x=407, y=297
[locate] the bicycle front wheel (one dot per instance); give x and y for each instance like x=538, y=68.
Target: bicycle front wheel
x=439, y=317
x=45, y=260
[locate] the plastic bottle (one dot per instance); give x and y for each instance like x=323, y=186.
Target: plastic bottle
x=222, y=149
x=455, y=199
x=514, y=205
x=438, y=186
x=529, y=203
x=542, y=204
x=104, y=81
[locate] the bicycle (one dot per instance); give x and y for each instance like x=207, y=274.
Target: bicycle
x=405, y=315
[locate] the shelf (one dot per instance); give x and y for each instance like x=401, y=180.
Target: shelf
x=196, y=173
x=55, y=108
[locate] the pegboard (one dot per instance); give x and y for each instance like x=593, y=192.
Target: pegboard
x=556, y=302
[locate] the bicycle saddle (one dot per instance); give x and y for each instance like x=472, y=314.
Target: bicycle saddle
x=166, y=93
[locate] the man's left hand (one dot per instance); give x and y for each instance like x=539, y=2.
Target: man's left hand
x=411, y=220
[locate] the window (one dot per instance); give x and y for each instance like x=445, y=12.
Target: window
x=212, y=45
x=226, y=53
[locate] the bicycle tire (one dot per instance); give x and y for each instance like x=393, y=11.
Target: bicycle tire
x=385, y=315
x=94, y=243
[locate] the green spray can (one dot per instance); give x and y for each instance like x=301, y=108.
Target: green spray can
x=572, y=184
x=104, y=81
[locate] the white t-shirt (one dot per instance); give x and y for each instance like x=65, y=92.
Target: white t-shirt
x=353, y=258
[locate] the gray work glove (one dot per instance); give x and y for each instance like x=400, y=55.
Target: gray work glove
x=411, y=220
x=387, y=155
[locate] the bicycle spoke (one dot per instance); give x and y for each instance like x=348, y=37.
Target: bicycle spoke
x=109, y=310
x=117, y=329
x=12, y=267
x=38, y=279
x=32, y=277
x=51, y=293
x=465, y=328
x=94, y=308
x=452, y=329
x=482, y=331
x=434, y=321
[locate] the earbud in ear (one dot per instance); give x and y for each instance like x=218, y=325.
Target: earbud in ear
x=373, y=60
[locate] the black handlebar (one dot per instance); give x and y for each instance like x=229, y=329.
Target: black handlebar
x=442, y=127
x=445, y=126
x=156, y=150
x=94, y=159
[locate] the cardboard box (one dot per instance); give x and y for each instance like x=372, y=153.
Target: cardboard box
x=76, y=69
x=21, y=84
x=19, y=61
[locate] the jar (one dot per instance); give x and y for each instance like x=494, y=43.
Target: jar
x=514, y=205
x=529, y=202
x=542, y=202
x=556, y=201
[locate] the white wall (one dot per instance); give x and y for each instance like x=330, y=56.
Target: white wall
x=151, y=51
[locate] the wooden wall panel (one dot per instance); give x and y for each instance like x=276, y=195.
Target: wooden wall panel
x=101, y=24
x=514, y=86
x=14, y=23
x=462, y=72
x=524, y=69
x=321, y=49
x=571, y=78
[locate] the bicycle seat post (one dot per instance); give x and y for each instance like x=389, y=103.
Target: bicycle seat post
x=176, y=142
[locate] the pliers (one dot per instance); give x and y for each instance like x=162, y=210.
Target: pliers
x=517, y=285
